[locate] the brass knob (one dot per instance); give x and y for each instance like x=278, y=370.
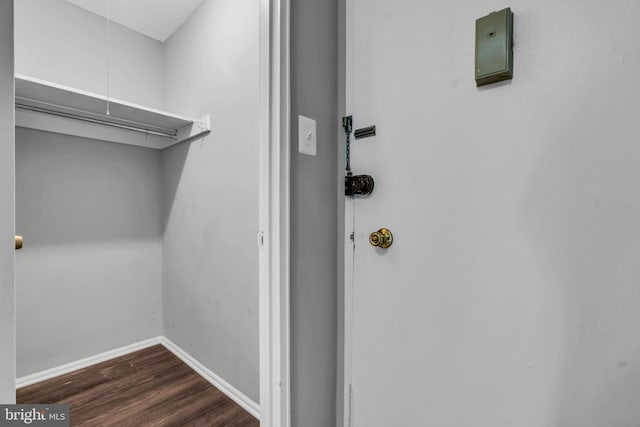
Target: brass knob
x=381, y=238
x=18, y=242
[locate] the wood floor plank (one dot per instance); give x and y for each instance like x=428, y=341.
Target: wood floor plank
x=150, y=388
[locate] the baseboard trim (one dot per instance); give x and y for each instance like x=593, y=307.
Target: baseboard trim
x=234, y=394
x=86, y=362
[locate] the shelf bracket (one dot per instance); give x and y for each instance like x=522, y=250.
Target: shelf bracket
x=198, y=129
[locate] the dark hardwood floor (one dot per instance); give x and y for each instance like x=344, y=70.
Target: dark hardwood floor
x=150, y=387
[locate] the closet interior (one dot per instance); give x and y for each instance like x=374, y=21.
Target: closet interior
x=137, y=186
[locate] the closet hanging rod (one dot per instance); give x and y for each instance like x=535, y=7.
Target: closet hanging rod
x=91, y=115
x=165, y=134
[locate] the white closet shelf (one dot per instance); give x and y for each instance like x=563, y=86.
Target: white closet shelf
x=56, y=108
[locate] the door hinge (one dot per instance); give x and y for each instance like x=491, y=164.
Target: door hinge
x=261, y=238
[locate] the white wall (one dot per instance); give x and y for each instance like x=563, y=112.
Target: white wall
x=62, y=43
x=88, y=278
x=211, y=193
x=7, y=323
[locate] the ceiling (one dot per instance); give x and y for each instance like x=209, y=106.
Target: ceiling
x=157, y=19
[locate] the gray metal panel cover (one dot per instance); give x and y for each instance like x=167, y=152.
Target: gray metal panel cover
x=494, y=47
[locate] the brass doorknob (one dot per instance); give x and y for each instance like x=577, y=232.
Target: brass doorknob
x=18, y=242
x=381, y=238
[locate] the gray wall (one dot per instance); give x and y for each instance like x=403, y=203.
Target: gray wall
x=7, y=324
x=210, y=265
x=90, y=212
x=343, y=240
x=88, y=278
x=62, y=43
x=314, y=207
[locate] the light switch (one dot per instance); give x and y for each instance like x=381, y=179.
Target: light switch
x=307, y=138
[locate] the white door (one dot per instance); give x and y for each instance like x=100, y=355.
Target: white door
x=511, y=295
x=7, y=321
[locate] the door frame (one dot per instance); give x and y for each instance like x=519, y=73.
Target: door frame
x=346, y=98
x=273, y=239
x=7, y=277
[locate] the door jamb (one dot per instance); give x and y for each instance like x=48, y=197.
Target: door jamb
x=7, y=279
x=275, y=396
x=349, y=245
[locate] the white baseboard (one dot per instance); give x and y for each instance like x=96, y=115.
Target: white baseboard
x=234, y=394
x=83, y=363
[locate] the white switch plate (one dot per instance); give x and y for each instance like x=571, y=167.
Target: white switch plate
x=307, y=139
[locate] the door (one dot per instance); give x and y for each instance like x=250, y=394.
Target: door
x=7, y=320
x=509, y=296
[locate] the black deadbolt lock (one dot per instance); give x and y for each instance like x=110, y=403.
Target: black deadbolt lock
x=358, y=185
